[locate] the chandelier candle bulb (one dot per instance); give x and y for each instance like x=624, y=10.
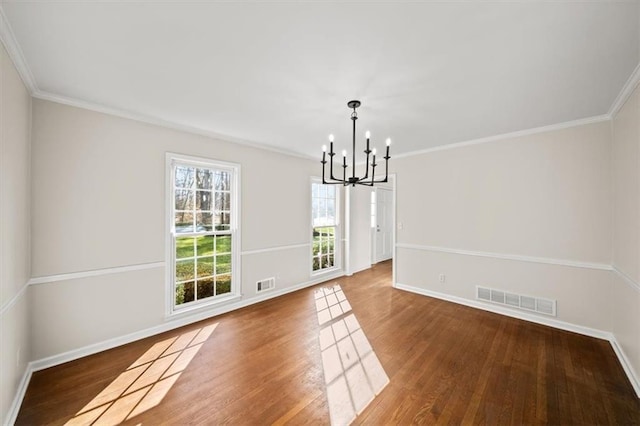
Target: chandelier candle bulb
x=367, y=135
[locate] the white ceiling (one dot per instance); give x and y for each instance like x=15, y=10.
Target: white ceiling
x=281, y=73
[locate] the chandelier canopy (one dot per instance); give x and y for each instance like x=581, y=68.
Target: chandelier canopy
x=354, y=180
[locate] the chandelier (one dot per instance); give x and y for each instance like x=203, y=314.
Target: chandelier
x=354, y=180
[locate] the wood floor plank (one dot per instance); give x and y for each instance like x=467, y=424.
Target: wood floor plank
x=447, y=364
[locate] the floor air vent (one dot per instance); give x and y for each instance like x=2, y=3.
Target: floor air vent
x=266, y=284
x=527, y=303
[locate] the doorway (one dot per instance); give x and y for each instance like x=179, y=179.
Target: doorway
x=382, y=224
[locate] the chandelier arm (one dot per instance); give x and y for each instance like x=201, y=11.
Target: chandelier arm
x=332, y=181
x=331, y=154
x=366, y=172
x=364, y=182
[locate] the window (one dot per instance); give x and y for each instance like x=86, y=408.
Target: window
x=202, y=228
x=325, y=226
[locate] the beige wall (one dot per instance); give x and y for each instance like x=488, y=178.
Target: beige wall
x=99, y=202
x=625, y=297
x=15, y=215
x=546, y=195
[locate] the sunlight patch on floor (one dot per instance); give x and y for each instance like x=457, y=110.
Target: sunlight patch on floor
x=352, y=371
x=331, y=303
x=145, y=383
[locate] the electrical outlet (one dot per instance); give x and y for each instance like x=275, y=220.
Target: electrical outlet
x=442, y=278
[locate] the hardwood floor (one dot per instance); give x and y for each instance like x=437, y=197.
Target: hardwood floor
x=447, y=364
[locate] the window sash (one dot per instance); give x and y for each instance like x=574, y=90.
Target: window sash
x=215, y=271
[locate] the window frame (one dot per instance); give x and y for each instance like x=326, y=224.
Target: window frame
x=337, y=246
x=171, y=161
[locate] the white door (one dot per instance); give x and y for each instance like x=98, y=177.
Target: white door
x=384, y=224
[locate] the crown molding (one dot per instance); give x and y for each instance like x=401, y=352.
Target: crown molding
x=519, y=133
x=15, y=53
x=626, y=91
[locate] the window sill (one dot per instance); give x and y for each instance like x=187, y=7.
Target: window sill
x=203, y=307
x=325, y=271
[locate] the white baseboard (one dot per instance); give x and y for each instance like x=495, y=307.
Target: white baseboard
x=17, y=399
x=562, y=325
x=94, y=348
x=364, y=268
x=626, y=365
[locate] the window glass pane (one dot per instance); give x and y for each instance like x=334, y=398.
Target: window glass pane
x=223, y=264
x=189, y=292
x=315, y=212
x=223, y=244
x=204, y=221
x=316, y=263
x=223, y=284
x=184, y=247
x=204, y=178
x=184, y=293
x=184, y=222
x=205, y=245
x=205, y=266
x=185, y=270
x=330, y=261
x=331, y=191
x=205, y=288
x=331, y=211
x=203, y=200
x=316, y=243
x=184, y=199
x=324, y=245
x=222, y=181
x=183, y=177
x=226, y=201
x=223, y=201
x=323, y=211
x=222, y=221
